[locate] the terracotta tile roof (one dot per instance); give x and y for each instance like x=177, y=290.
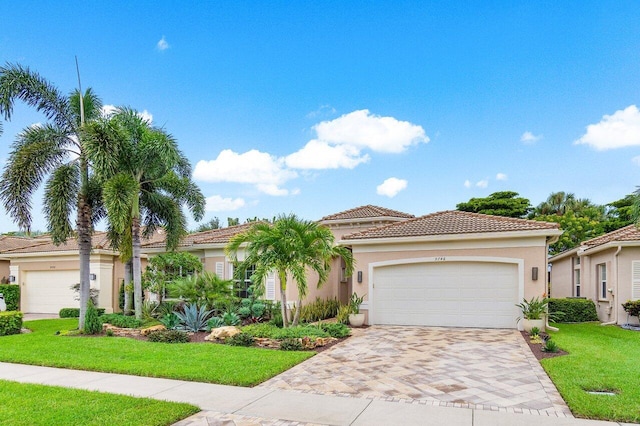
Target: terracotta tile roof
x=628, y=233
x=367, y=212
x=451, y=222
x=10, y=242
x=212, y=236
x=99, y=241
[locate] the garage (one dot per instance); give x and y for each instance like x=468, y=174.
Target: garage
x=47, y=292
x=451, y=294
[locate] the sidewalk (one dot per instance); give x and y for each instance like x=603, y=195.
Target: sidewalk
x=230, y=405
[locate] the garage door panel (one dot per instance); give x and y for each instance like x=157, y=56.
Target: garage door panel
x=459, y=294
x=49, y=291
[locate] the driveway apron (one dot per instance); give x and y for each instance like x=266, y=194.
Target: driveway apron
x=487, y=369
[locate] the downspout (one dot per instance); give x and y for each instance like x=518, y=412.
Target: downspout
x=546, y=279
x=613, y=295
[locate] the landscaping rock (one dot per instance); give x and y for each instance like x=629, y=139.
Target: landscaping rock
x=222, y=333
x=146, y=331
x=121, y=332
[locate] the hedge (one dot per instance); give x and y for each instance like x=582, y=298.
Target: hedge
x=573, y=310
x=75, y=312
x=10, y=322
x=11, y=294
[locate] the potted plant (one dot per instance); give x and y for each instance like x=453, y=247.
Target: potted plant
x=533, y=313
x=356, y=319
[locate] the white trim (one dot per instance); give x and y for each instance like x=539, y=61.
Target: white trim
x=454, y=237
x=588, y=251
x=451, y=245
x=441, y=259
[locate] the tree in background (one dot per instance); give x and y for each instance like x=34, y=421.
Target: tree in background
x=207, y=226
x=54, y=151
x=168, y=267
x=504, y=203
x=233, y=221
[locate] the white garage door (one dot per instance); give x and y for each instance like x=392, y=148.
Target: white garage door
x=451, y=294
x=49, y=291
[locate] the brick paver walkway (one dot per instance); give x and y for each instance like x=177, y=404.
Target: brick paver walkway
x=461, y=367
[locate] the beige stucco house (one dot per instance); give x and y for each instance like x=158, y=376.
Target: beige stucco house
x=444, y=269
x=605, y=269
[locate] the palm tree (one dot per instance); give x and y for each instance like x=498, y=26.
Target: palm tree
x=146, y=181
x=55, y=151
x=290, y=246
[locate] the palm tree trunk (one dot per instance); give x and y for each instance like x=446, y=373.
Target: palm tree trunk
x=296, y=318
x=283, y=298
x=127, y=284
x=84, y=249
x=137, y=268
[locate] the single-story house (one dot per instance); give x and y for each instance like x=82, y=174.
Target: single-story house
x=605, y=269
x=449, y=268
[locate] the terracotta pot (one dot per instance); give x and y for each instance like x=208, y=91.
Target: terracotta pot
x=356, y=320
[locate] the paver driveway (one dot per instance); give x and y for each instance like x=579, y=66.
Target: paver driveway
x=474, y=368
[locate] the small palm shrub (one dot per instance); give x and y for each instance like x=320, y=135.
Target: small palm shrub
x=194, y=318
x=214, y=322
x=170, y=320
x=230, y=318
x=291, y=345
x=535, y=331
x=550, y=346
x=203, y=289
x=121, y=321
x=168, y=336
x=343, y=314
x=240, y=339
x=92, y=323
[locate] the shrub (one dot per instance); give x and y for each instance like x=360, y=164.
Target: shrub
x=272, y=332
x=168, y=336
x=170, y=320
x=75, y=312
x=10, y=322
x=203, y=289
x=535, y=331
x=276, y=318
x=92, y=323
x=230, y=318
x=258, y=309
x=319, y=310
x=214, y=322
x=632, y=308
x=573, y=310
x=11, y=293
x=194, y=318
x=121, y=321
x=343, y=314
x=550, y=346
x=244, y=311
x=336, y=330
x=291, y=345
x=150, y=310
x=240, y=339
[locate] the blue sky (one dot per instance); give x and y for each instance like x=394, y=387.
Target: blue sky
x=318, y=107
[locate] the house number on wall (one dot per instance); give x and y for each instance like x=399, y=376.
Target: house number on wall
x=440, y=259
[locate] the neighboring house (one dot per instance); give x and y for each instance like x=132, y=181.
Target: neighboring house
x=10, y=242
x=605, y=269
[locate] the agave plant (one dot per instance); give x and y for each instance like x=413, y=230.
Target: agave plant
x=194, y=318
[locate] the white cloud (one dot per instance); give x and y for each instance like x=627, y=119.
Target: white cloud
x=529, y=138
x=253, y=167
x=501, y=176
x=390, y=187
x=365, y=130
x=614, y=131
x=320, y=155
x=216, y=203
x=146, y=116
x=467, y=183
x=482, y=183
x=109, y=109
x=636, y=160
x=162, y=44
x=323, y=110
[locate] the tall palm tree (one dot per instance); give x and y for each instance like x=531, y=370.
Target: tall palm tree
x=146, y=182
x=290, y=246
x=54, y=151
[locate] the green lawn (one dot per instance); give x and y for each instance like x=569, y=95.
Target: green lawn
x=29, y=405
x=203, y=362
x=600, y=358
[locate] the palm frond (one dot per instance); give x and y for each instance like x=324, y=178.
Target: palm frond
x=60, y=197
x=92, y=106
x=119, y=195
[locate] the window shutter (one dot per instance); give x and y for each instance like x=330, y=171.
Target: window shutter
x=635, y=279
x=230, y=271
x=270, y=291
x=220, y=270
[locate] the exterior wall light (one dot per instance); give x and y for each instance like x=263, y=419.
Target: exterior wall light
x=534, y=273
x=359, y=276
x=92, y=277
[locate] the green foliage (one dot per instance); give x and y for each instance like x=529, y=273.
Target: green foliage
x=355, y=302
x=505, y=203
x=92, y=323
x=170, y=320
x=533, y=309
x=240, y=339
x=121, y=297
x=167, y=267
x=244, y=311
x=150, y=310
x=291, y=345
x=336, y=330
x=11, y=293
x=168, y=336
x=10, y=322
x=194, y=318
x=343, y=314
x=121, y=321
x=535, y=331
x=214, y=223
x=230, y=318
x=272, y=332
x=632, y=307
x=109, y=333
x=75, y=312
x=319, y=310
x=550, y=346
x=204, y=289
x=573, y=310
x=575, y=229
x=214, y=322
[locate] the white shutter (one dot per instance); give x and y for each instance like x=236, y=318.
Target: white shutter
x=270, y=291
x=635, y=279
x=220, y=270
x=230, y=271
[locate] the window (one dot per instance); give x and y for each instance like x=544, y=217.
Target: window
x=242, y=286
x=576, y=281
x=602, y=280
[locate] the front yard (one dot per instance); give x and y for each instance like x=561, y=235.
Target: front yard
x=203, y=362
x=600, y=359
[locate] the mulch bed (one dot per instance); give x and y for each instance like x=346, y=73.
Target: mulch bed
x=536, y=348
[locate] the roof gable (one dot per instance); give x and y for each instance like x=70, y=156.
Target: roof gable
x=211, y=236
x=627, y=233
x=367, y=212
x=451, y=222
